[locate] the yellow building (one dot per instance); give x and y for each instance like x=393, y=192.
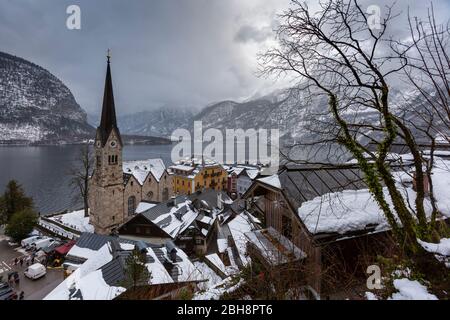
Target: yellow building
x=189, y=176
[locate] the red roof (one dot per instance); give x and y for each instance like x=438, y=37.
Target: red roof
x=62, y=250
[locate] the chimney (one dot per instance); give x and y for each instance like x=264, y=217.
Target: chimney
x=171, y=251
x=219, y=201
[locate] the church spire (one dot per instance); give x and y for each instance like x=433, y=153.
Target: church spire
x=108, y=121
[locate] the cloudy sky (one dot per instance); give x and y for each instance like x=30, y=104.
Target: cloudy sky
x=164, y=52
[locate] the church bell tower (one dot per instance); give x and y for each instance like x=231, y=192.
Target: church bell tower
x=106, y=184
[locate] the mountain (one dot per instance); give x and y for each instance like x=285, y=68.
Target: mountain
x=160, y=122
x=36, y=107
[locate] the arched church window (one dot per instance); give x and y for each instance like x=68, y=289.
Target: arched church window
x=131, y=205
x=150, y=194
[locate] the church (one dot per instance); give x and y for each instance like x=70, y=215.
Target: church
x=116, y=188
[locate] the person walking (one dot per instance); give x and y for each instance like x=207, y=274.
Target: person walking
x=16, y=261
x=21, y=262
x=21, y=296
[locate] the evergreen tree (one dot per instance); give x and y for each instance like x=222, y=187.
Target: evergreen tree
x=13, y=200
x=21, y=224
x=136, y=272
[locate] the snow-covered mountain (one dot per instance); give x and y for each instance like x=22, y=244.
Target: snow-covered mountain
x=160, y=122
x=35, y=106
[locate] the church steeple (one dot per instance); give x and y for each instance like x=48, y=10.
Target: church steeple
x=108, y=121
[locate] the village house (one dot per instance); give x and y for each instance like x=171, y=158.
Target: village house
x=189, y=176
x=320, y=217
x=116, y=188
x=240, y=178
x=324, y=220
x=96, y=267
x=188, y=220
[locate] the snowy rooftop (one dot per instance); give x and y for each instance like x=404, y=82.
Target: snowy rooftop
x=142, y=168
x=176, y=215
x=100, y=275
x=144, y=206
x=274, y=247
x=240, y=225
x=356, y=210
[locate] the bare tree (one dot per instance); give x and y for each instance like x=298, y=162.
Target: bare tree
x=79, y=176
x=336, y=53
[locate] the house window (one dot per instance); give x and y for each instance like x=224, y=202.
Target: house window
x=131, y=205
x=286, y=223
x=138, y=230
x=131, y=183
x=199, y=241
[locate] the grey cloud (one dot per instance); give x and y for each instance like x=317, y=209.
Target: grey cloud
x=175, y=52
x=249, y=33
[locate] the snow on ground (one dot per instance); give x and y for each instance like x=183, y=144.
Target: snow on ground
x=441, y=185
x=411, y=290
x=75, y=220
x=442, y=248
x=207, y=273
x=57, y=229
x=215, y=292
x=370, y=296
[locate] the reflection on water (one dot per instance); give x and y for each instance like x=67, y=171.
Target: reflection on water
x=43, y=171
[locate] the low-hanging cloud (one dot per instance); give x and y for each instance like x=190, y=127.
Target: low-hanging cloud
x=186, y=53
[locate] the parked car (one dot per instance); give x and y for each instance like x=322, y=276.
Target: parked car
x=42, y=243
x=6, y=293
x=27, y=241
x=35, y=271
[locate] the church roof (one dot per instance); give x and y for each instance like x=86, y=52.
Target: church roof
x=142, y=168
x=108, y=120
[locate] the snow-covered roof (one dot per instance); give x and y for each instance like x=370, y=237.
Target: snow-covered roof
x=274, y=247
x=176, y=219
x=176, y=215
x=216, y=262
x=182, y=167
x=87, y=281
x=98, y=277
x=272, y=180
x=240, y=225
x=140, y=169
x=356, y=210
x=144, y=206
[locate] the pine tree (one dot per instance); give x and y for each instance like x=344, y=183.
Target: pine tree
x=21, y=224
x=136, y=272
x=13, y=200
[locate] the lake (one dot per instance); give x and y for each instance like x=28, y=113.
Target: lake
x=43, y=171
